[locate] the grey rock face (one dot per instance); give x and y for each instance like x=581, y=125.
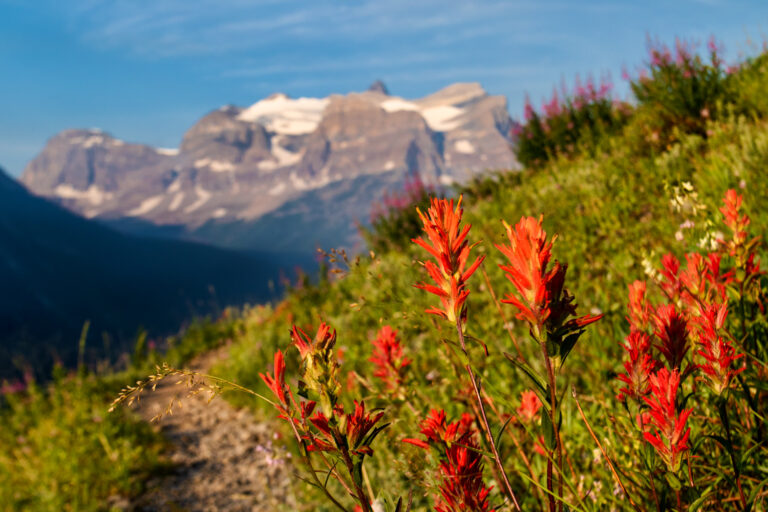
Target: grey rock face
x=236, y=164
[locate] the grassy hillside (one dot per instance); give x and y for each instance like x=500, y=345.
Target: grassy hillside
x=617, y=208
x=648, y=186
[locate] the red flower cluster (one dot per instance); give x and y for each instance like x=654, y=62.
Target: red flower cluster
x=541, y=297
x=672, y=332
x=736, y=221
x=718, y=354
x=324, y=340
x=276, y=383
x=358, y=426
x=439, y=432
x=739, y=247
x=449, y=246
x=700, y=281
x=637, y=370
x=461, y=469
x=669, y=434
x=462, y=488
x=638, y=309
x=388, y=358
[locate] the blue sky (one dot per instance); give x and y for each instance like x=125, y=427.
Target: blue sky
x=145, y=70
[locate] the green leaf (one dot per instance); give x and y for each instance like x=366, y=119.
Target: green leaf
x=674, y=482
x=537, y=380
x=501, y=430
x=370, y=437
x=696, y=505
x=568, y=343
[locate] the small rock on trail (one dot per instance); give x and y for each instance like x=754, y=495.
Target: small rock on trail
x=222, y=458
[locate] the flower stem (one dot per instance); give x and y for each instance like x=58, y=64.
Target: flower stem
x=556, y=429
x=486, y=426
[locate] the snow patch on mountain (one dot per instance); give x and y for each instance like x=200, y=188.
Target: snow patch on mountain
x=214, y=165
x=441, y=118
x=464, y=146
x=146, y=206
x=176, y=202
x=93, y=194
x=167, y=151
x=202, y=197
x=281, y=114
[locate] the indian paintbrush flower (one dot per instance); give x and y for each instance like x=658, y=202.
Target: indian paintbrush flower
x=461, y=469
x=388, y=358
x=529, y=406
x=462, y=487
x=541, y=298
x=319, y=367
x=447, y=243
x=718, y=354
x=638, y=308
x=668, y=435
x=638, y=368
x=438, y=431
x=276, y=383
x=672, y=332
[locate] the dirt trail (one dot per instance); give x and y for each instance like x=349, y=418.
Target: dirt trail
x=223, y=459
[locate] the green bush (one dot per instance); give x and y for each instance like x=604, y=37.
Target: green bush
x=569, y=123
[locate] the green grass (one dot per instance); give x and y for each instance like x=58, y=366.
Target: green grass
x=613, y=211
x=60, y=448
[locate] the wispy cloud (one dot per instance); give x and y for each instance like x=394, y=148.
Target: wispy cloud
x=173, y=28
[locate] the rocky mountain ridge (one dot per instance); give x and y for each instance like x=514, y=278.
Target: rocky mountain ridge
x=235, y=165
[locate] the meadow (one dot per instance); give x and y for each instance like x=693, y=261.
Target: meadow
x=648, y=395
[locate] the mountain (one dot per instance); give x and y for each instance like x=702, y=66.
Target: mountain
x=58, y=270
x=240, y=172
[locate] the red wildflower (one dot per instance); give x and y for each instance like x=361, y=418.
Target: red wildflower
x=528, y=253
x=462, y=487
x=672, y=331
x=670, y=283
x=326, y=442
x=529, y=406
x=638, y=368
x=439, y=432
x=277, y=383
x=359, y=424
x=669, y=434
x=638, y=308
x=733, y=219
x=325, y=339
x=541, y=297
x=718, y=354
x=449, y=246
x=388, y=358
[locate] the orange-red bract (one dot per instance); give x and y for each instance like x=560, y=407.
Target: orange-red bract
x=447, y=243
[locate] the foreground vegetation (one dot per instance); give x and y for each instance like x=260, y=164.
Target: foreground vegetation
x=622, y=189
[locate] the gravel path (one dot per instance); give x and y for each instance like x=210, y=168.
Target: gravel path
x=222, y=458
